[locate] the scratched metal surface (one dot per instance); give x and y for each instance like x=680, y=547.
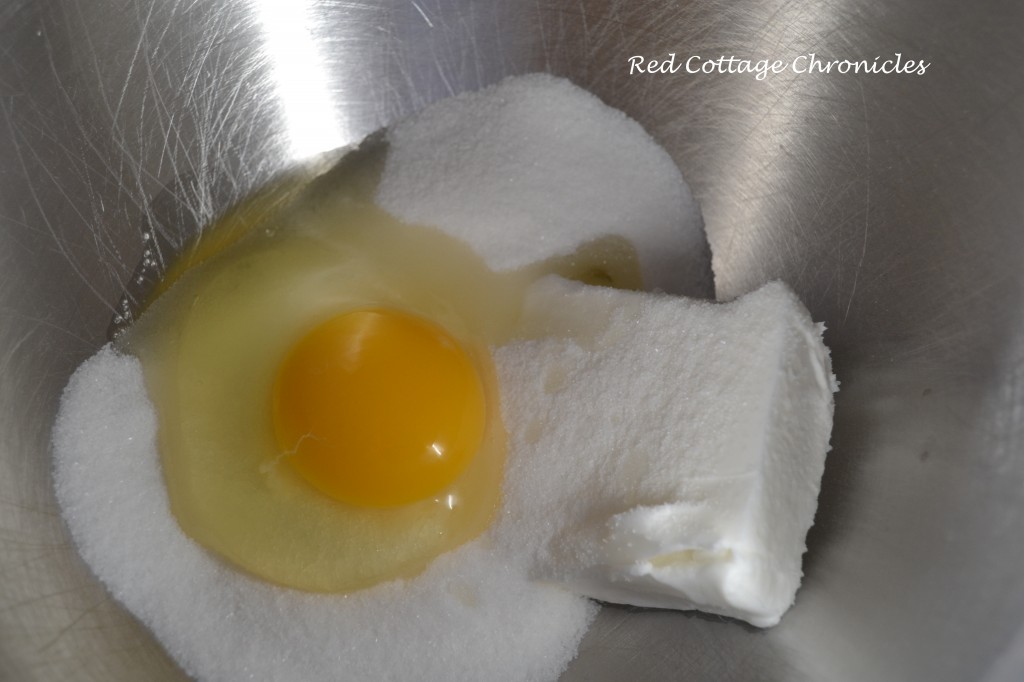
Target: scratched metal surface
x=892, y=204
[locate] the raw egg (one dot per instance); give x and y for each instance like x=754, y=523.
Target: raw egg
x=329, y=413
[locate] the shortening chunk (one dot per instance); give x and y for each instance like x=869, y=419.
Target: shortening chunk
x=671, y=449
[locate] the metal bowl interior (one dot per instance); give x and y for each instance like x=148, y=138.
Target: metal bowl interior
x=891, y=203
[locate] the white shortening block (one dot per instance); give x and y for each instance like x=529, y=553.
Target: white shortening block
x=669, y=450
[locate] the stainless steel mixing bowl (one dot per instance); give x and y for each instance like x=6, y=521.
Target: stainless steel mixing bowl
x=894, y=204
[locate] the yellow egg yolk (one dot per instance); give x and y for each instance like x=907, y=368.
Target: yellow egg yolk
x=378, y=408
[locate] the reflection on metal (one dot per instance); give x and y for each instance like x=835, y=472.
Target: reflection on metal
x=300, y=78
x=891, y=204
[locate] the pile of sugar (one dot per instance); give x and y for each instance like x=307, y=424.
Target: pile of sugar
x=597, y=412
x=474, y=614
x=536, y=167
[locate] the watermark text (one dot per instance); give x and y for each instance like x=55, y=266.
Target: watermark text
x=761, y=69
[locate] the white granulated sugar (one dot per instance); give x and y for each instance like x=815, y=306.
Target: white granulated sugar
x=534, y=167
x=671, y=454
x=473, y=615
